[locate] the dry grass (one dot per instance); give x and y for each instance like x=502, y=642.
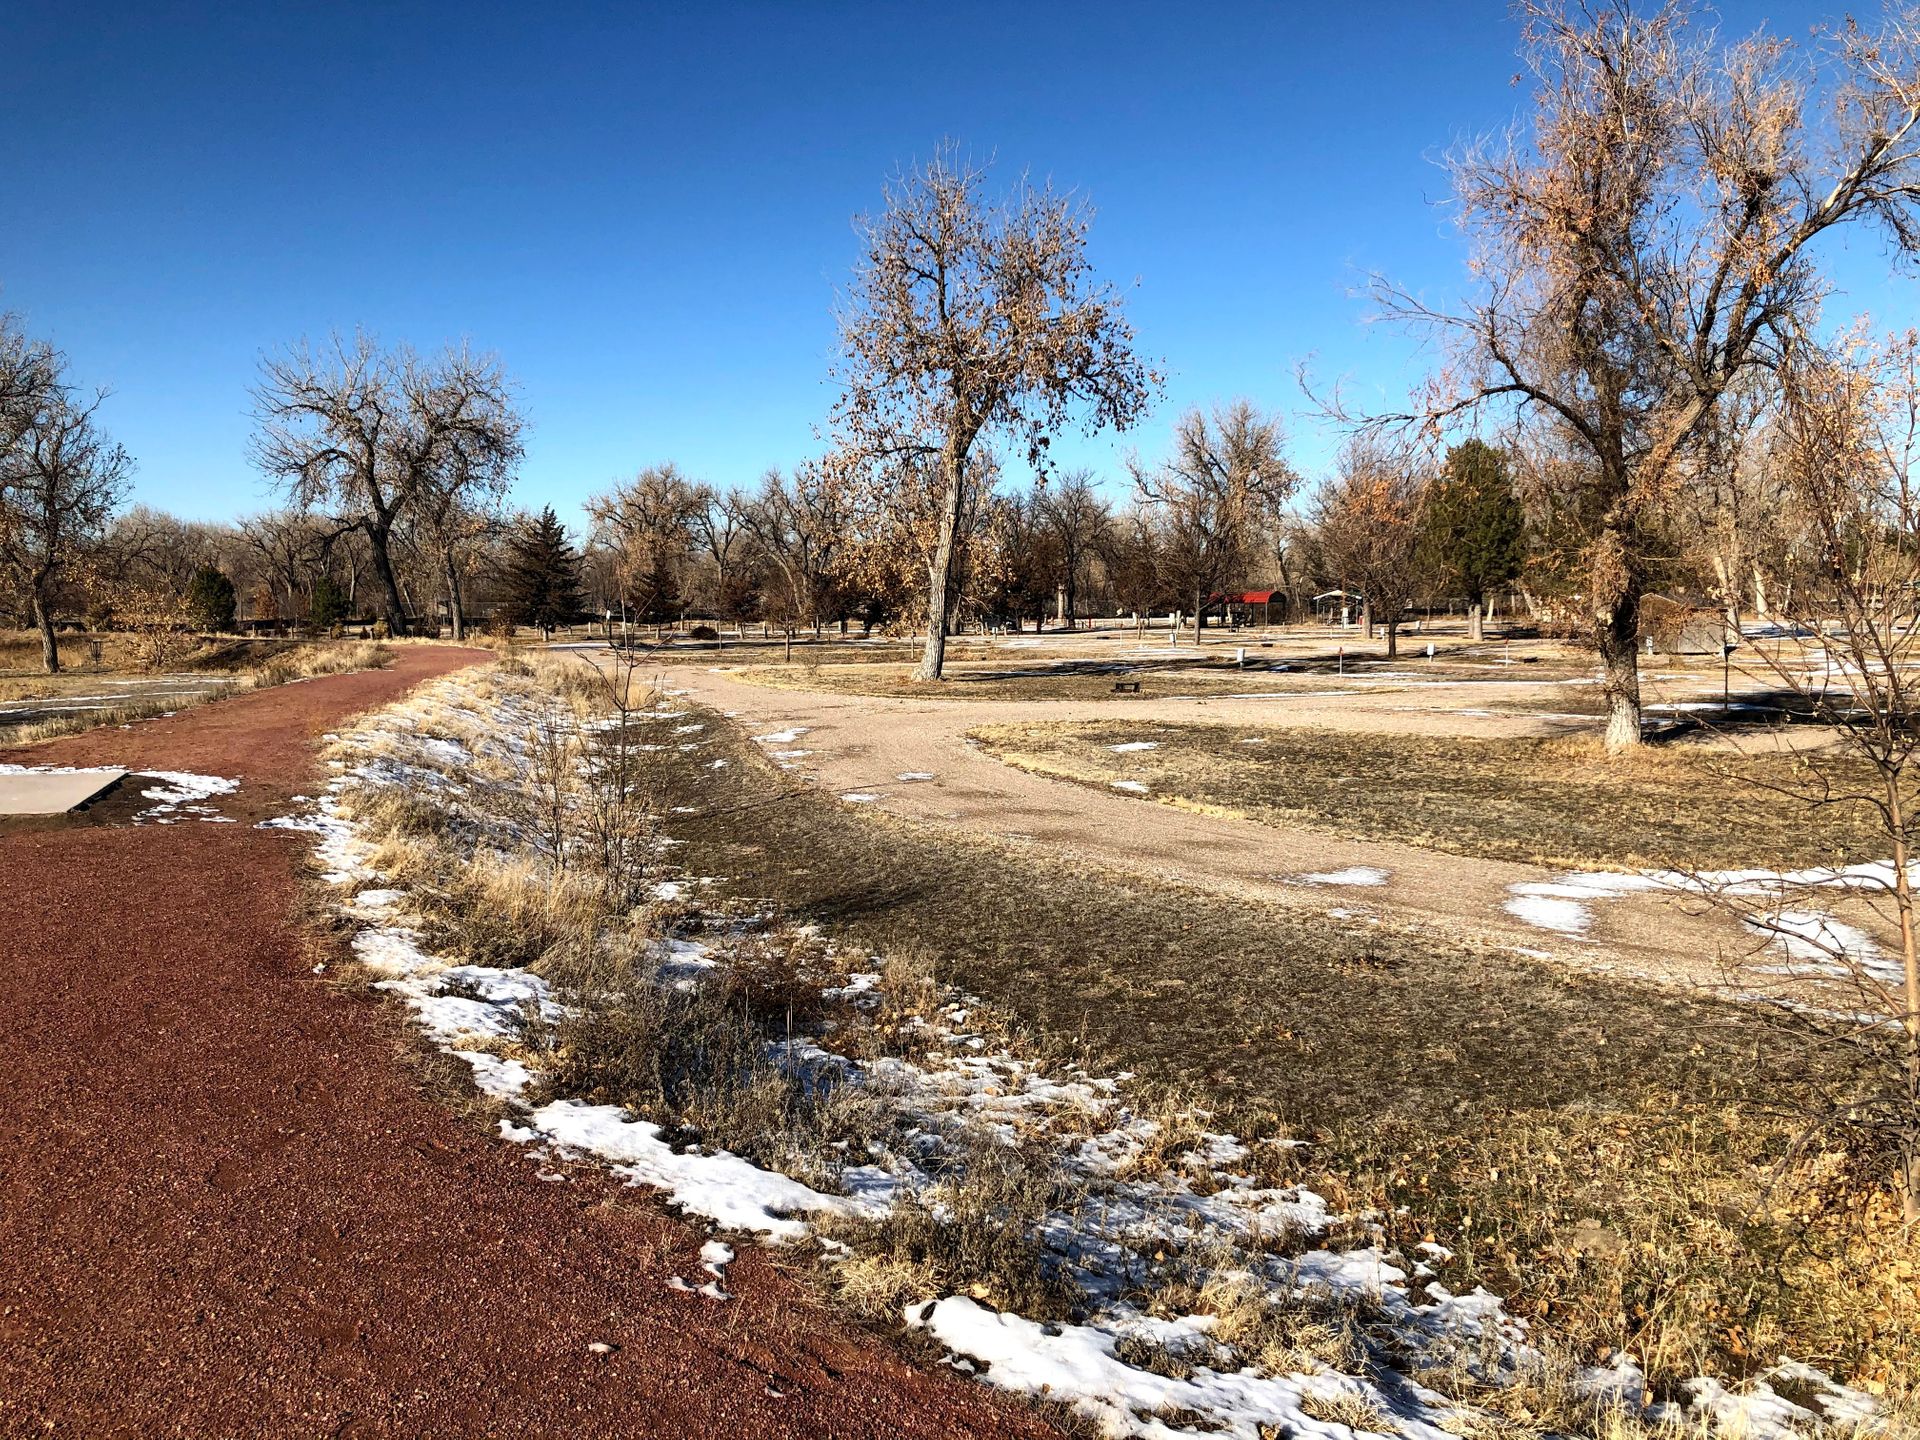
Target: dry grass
x=1281, y=1332
x=1598, y=1151
x=1349, y=1408
x=1601, y=1152
x=1557, y=802
x=973, y=1232
x=219, y=669
x=996, y=675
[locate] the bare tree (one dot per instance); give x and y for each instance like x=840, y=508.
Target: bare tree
x=1368, y=519
x=288, y=546
x=898, y=520
x=30, y=374
x=796, y=527
x=1074, y=515
x=1130, y=549
x=1847, y=444
x=647, y=524
x=61, y=478
x=460, y=511
x=369, y=434
x=968, y=318
x=1648, y=243
x=720, y=536
x=1215, y=497
x=1737, y=524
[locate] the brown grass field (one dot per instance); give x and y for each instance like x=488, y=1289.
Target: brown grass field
x=1546, y=801
x=1599, y=1151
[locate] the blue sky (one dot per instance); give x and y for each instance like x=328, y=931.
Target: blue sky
x=645, y=209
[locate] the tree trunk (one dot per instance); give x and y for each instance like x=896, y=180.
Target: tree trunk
x=1616, y=599
x=1908, y=1180
x=1476, y=630
x=1620, y=672
x=933, y=659
x=49, y=646
x=1729, y=599
x=1393, y=637
x=456, y=617
x=390, y=602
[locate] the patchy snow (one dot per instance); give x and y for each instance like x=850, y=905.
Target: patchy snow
x=1076, y=1365
x=1823, y=945
x=859, y=797
x=1771, y=903
x=912, y=775
x=1352, y=875
x=1133, y=787
x=722, y=1187
x=497, y=1078
x=963, y=1080
x=782, y=737
x=1550, y=912
x=1131, y=746
x=179, y=787
x=178, y=794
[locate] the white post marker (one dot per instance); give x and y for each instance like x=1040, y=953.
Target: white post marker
x=1429, y=650
x=1240, y=658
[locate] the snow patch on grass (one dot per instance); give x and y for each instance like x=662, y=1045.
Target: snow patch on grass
x=721, y=1187
x=1352, y=875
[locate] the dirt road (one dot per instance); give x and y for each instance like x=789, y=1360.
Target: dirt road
x=227, y=1209
x=868, y=746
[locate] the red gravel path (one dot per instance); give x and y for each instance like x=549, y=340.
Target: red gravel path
x=227, y=1210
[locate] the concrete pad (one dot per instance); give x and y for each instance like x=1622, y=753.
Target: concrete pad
x=51, y=792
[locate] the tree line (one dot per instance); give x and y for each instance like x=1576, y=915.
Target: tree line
x=1643, y=287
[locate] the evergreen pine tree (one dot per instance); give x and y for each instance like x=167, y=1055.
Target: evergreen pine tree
x=210, y=599
x=1475, y=530
x=543, y=575
x=329, y=606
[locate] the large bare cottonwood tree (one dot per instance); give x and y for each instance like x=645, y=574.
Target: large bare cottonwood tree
x=1646, y=241
x=971, y=317
x=647, y=524
x=374, y=436
x=61, y=477
x=1215, y=497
